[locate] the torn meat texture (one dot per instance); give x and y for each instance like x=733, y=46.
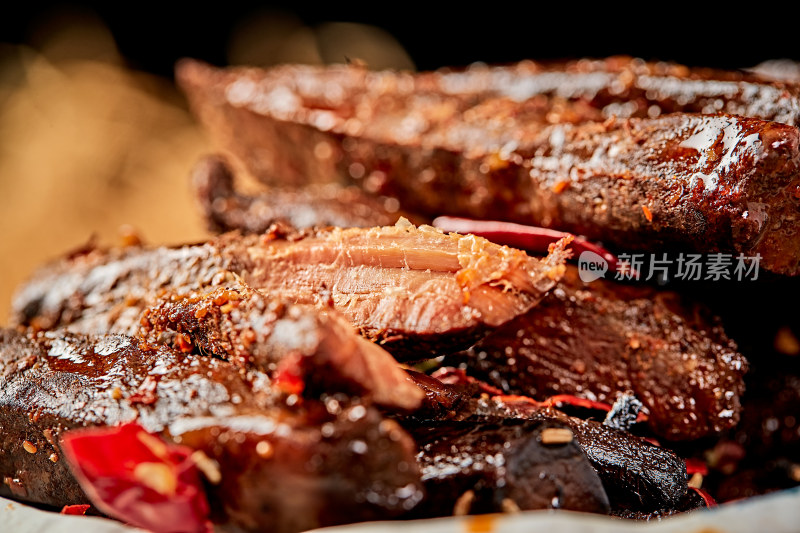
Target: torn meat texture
x=710, y=183
x=293, y=463
x=225, y=209
x=416, y=291
x=600, y=339
x=252, y=331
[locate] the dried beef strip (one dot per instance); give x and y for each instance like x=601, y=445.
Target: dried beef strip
x=600, y=339
x=710, y=183
x=417, y=291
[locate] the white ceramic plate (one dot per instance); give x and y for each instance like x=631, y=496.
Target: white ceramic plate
x=775, y=513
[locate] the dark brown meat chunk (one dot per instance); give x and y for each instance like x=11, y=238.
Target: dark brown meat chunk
x=332, y=461
x=253, y=331
x=315, y=206
x=635, y=473
x=691, y=500
x=485, y=468
x=600, y=339
x=715, y=183
x=414, y=290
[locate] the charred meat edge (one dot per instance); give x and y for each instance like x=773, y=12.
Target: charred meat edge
x=635, y=473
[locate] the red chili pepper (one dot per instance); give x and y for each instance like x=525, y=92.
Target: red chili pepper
x=707, y=498
x=522, y=404
x=289, y=375
x=455, y=376
x=78, y=509
x=652, y=440
x=138, y=478
x=532, y=238
x=569, y=399
x=696, y=466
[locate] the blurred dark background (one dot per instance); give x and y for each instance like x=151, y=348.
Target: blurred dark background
x=151, y=36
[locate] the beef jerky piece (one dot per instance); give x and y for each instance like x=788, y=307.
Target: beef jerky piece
x=702, y=183
x=314, y=206
x=293, y=106
x=416, y=291
x=600, y=339
x=295, y=145
x=442, y=401
x=293, y=465
x=105, y=291
x=635, y=473
x=763, y=455
x=509, y=466
x=718, y=183
x=253, y=331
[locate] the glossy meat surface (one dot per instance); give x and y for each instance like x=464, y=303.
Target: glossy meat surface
x=414, y=290
x=710, y=183
x=635, y=473
x=600, y=339
x=336, y=460
x=506, y=466
x=225, y=209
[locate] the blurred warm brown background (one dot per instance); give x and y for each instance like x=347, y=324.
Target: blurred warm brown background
x=86, y=146
x=93, y=149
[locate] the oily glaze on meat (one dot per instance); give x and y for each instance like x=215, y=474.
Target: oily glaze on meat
x=506, y=466
x=253, y=331
x=105, y=291
x=635, y=473
x=305, y=102
x=600, y=339
x=710, y=183
x=326, y=205
x=414, y=290
x=318, y=476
